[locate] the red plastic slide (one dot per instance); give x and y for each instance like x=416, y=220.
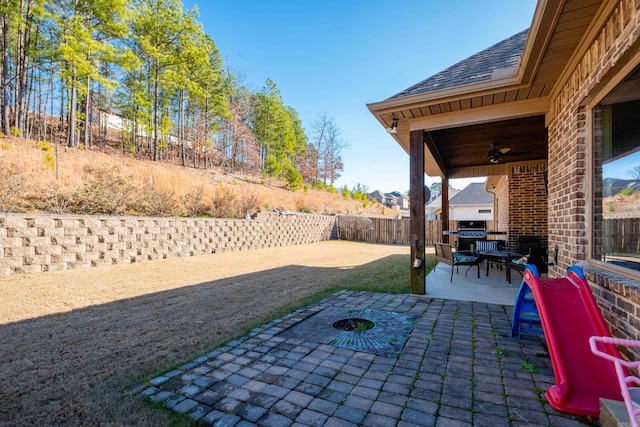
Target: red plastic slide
x=570, y=316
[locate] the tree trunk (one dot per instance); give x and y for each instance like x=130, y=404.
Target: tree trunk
x=24, y=38
x=6, y=108
x=181, y=134
x=104, y=120
x=156, y=153
x=87, y=112
x=71, y=130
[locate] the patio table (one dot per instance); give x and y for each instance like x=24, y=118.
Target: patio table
x=500, y=257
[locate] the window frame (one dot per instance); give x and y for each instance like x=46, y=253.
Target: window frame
x=597, y=95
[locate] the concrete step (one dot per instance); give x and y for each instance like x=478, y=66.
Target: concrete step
x=613, y=413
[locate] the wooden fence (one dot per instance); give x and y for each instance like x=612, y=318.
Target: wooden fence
x=396, y=231
x=388, y=230
x=623, y=235
x=374, y=230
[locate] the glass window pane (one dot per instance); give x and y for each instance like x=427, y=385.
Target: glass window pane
x=616, y=138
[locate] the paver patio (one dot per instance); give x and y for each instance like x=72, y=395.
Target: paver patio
x=458, y=368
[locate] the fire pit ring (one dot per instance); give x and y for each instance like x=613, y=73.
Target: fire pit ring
x=354, y=325
x=373, y=331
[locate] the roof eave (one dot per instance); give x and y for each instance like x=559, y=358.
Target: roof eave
x=545, y=17
x=441, y=95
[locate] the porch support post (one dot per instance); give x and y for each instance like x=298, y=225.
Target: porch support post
x=417, y=211
x=444, y=215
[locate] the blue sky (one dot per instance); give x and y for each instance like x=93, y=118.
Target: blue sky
x=337, y=56
x=622, y=168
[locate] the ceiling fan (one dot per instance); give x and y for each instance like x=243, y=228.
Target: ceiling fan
x=495, y=154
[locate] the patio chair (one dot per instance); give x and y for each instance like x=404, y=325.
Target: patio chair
x=525, y=243
x=536, y=256
x=445, y=254
x=487, y=246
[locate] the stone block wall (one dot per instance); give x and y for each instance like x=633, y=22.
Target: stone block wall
x=569, y=151
x=42, y=242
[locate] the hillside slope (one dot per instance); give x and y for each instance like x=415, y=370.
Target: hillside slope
x=38, y=177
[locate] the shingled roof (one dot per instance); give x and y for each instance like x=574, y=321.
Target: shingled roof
x=499, y=61
x=473, y=194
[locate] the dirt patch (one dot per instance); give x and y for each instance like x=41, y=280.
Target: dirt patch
x=73, y=343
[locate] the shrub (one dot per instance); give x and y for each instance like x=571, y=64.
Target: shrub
x=359, y=194
x=294, y=178
x=626, y=192
x=57, y=200
x=250, y=202
x=611, y=207
x=194, y=204
x=318, y=185
x=157, y=202
x=272, y=168
x=49, y=160
x=224, y=204
x=11, y=183
x=104, y=191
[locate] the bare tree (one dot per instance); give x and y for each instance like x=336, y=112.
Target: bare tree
x=328, y=145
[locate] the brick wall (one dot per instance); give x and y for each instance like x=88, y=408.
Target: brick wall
x=528, y=203
x=37, y=243
x=501, y=206
x=569, y=147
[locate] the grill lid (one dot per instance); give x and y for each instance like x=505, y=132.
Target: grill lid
x=472, y=225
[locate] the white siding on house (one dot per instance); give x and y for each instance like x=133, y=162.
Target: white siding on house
x=470, y=212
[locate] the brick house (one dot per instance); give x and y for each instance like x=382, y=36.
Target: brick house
x=550, y=115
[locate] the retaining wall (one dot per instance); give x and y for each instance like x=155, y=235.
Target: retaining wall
x=43, y=242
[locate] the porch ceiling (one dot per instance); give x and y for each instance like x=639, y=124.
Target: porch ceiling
x=465, y=148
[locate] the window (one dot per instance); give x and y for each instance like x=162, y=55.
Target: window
x=616, y=180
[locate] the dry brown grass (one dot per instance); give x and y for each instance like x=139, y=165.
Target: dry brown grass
x=76, y=343
x=56, y=179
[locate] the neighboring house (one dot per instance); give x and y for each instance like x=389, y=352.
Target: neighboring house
x=378, y=196
x=399, y=200
x=553, y=110
x=116, y=122
x=434, y=207
x=393, y=200
x=471, y=203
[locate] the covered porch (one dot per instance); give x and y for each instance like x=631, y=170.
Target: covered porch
x=485, y=116
x=490, y=289
x=550, y=116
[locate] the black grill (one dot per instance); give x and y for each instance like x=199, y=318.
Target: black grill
x=469, y=232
